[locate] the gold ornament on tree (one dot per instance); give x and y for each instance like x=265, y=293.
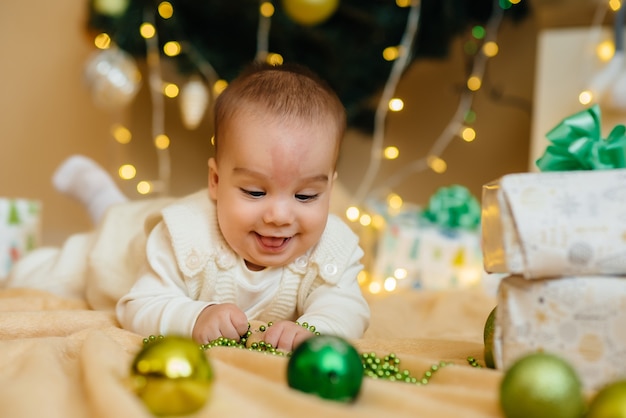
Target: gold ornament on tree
x=310, y=12
x=113, y=8
x=112, y=77
x=194, y=100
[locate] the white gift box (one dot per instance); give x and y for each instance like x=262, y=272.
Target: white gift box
x=555, y=224
x=582, y=319
x=20, y=230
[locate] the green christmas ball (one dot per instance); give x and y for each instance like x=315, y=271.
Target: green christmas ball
x=609, y=402
x=326, y=366
x=541, y=385
x=172, y=376
x=488, y=332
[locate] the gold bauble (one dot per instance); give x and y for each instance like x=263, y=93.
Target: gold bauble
x=310, y=12
x=172, y=376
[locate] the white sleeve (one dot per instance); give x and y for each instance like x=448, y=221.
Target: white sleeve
x=159, y=303
x=339, y=309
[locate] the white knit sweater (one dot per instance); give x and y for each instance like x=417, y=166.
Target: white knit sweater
x=191, y=266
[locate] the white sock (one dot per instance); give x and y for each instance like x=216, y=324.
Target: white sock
x=84, y=180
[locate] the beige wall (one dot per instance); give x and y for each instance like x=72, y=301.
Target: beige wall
x=46, y=114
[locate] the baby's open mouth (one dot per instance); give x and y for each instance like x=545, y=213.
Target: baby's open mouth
x=273, y=242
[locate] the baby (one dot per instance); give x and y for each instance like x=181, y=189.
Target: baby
x=260, y=244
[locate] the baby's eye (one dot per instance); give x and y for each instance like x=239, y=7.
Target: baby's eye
x=306, y=197
x=253, y=193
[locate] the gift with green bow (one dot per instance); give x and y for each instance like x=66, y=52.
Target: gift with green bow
x=577, y=144
x=435, y=247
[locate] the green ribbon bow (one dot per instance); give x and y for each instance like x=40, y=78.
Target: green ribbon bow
x=453, y=207
x=577, y=145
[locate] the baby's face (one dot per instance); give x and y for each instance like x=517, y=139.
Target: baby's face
x=272, y=183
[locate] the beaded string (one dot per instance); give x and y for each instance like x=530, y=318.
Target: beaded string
x=375, y=367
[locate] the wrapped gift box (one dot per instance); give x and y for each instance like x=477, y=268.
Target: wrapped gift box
x=580, y=318
x=437, y=247
x=555, y=224
x=20, y=230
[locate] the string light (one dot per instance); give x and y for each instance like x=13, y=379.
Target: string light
x=171, y=90
x=391, y=153
x=396, y=104
x=353, y=213
x=121, y=134
x=468, y=134
x=127, y=172
x=605, y=50
x=585, y=97
x=171, y=48
x=102, y=41
x=162, y=142
x=147, y=30
x=165, y=9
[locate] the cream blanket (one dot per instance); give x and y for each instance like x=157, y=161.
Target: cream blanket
x=62, y=359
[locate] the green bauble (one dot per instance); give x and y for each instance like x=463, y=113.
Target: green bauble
x=541, y=385
x=609, y=402
x=172, y=376
x=326, y=366
x=490, y=327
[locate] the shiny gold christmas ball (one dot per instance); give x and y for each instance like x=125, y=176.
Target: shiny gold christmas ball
x=490, y=326
x=609, y=402
x=172, y=376
x=310, y=12
x=541, y=385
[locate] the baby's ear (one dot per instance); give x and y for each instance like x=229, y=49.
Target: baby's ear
x=213, y=178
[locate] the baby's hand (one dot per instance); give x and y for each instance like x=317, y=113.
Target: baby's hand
x=286, y=335
x=221, y=320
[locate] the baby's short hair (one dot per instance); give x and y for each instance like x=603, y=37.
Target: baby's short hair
x=289, y=91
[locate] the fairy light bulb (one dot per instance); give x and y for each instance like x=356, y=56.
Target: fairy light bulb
x=162, y=142
x=468, y=134
x=490, y=49
x=391, y=53
x=390, y=284
x=102, y=41
x=144, y=187
x=437, y=164
x=353, y=213
x=147, y=30
x=391, y=153
x=172, y=48
x=121, y=134
x=605, y=50
x=400, y=273
x=165, y=9
x=365, y=220
x=615, y=5
x=394, y=201
x=362, y=277
x=127, y=171
x=266, y=9
x=378, y=221
x=585, y=97
x=274, y=59
x=403, y=3
x=171, y=90
x=374, y=288
x=396, y=104
x=474, y=83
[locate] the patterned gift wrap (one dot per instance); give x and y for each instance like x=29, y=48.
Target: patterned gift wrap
x=579, y=318
x=20, y=230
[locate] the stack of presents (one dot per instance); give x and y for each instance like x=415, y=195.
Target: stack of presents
x=560, y=237
x=554, y=240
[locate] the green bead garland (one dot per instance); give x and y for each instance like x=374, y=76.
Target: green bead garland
x=375, y=367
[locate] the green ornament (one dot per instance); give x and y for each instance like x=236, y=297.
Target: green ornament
x=609, y=402
x=541, y=385
x=172, y=376
x=326, y=366
x=488, y=332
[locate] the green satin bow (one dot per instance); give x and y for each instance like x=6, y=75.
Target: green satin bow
x=453, y=207
x=577, y=145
